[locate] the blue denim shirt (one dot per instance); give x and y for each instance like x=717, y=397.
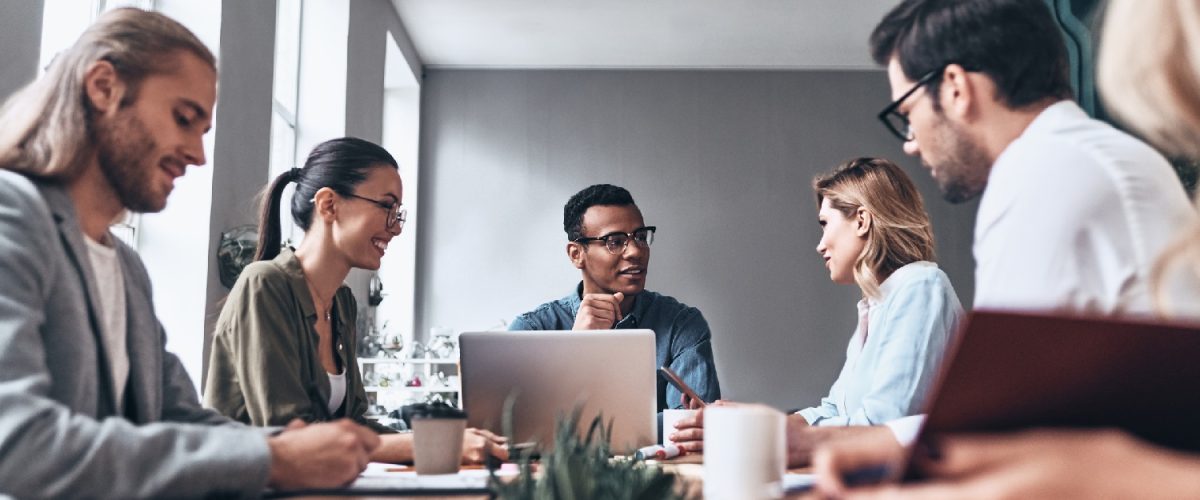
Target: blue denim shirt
x=681, y=338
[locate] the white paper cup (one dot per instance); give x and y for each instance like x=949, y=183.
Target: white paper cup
x=745, y=452
x=437, y=444
x=669, y=417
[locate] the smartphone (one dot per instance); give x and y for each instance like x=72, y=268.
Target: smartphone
x=674, y=380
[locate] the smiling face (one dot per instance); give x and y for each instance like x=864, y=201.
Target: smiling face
x=954, y=158
x=842, y=242
x=360, y=231
x=605, y=271
x=143, y=146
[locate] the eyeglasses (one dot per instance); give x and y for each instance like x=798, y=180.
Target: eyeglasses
x=397, y=214
x=616, y=243
x=897, y=122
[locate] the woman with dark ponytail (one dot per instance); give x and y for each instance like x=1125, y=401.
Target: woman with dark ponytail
x=285, y=342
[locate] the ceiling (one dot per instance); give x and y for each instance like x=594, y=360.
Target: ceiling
x=672, y=34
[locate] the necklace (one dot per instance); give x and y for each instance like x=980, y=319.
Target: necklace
x=328, y=308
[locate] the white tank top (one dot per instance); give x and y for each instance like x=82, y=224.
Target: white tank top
x=337, y=390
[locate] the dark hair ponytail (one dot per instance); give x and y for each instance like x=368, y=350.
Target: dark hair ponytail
x=269, y=232
x=339, y=164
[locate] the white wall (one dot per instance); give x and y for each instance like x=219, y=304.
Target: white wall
x=721, y=161
x=382, y=105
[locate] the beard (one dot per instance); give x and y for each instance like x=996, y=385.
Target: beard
x=962, y=173
x=124, y=149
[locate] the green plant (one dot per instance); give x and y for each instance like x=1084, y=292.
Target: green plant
x=580, y=468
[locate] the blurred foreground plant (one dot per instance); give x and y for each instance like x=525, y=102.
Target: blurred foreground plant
x=582, y=468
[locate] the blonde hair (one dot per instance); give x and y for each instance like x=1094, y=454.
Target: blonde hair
x=45, y=128
x=1149, y=76
x=900, y=232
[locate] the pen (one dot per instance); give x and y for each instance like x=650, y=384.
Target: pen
x=658, y=452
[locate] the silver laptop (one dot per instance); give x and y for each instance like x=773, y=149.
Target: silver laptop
x=607, y=371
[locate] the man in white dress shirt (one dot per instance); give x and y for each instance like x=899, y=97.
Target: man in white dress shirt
x=1074, y=212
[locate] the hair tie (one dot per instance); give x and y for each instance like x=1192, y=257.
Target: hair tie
x=294, y=174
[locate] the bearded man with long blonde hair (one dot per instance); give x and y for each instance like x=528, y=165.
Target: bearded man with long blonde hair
x=91, y=403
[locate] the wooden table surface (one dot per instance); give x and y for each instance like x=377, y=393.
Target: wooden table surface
x=690, y=469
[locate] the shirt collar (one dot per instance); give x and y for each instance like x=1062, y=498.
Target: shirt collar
x=1053, y=116
x=897, y=278
x=287, y=261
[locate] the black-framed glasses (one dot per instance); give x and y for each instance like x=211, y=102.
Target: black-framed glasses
x=897, y=122
x=397, y=214
x=616, y=242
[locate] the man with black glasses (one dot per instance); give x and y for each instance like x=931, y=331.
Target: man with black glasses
x=1075, y=211
x=608, y=241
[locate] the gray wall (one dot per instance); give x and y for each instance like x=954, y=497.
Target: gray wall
x=721, y=161
x=242, y=142
x=20, y=41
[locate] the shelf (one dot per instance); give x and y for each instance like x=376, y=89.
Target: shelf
x=440, y=388
x=411, y=361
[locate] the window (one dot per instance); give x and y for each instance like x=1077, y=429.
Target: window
x=401, y=136
x=284, y=102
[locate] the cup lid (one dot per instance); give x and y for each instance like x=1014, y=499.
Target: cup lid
x=436, y=410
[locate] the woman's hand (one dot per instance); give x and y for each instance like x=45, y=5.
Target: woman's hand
x=479, y=443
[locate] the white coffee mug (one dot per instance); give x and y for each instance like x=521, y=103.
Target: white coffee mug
x=670, y=417
x=745, y=452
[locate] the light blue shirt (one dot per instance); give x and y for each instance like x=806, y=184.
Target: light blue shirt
x=896, y=349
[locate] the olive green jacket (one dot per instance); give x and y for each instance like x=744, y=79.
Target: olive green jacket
x=264, y=368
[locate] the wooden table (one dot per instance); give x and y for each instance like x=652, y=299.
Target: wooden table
x=689, y=468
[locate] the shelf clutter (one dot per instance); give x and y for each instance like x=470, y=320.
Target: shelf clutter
x=395, y=375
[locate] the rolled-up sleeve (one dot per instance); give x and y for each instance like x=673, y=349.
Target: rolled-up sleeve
x=692, y=358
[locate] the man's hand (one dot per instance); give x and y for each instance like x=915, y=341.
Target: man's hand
x=1048, y=464
x=873, y=447
x=689, y=403
x=320, y=455
x=599, y=311
x=688, y=433
x=801, y=439
x=479, y=443
x=804, y=439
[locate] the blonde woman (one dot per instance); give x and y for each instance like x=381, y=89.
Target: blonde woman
x=1149, y=76
x=877, y=236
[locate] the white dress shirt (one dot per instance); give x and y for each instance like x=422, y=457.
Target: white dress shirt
x=1074, y=216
